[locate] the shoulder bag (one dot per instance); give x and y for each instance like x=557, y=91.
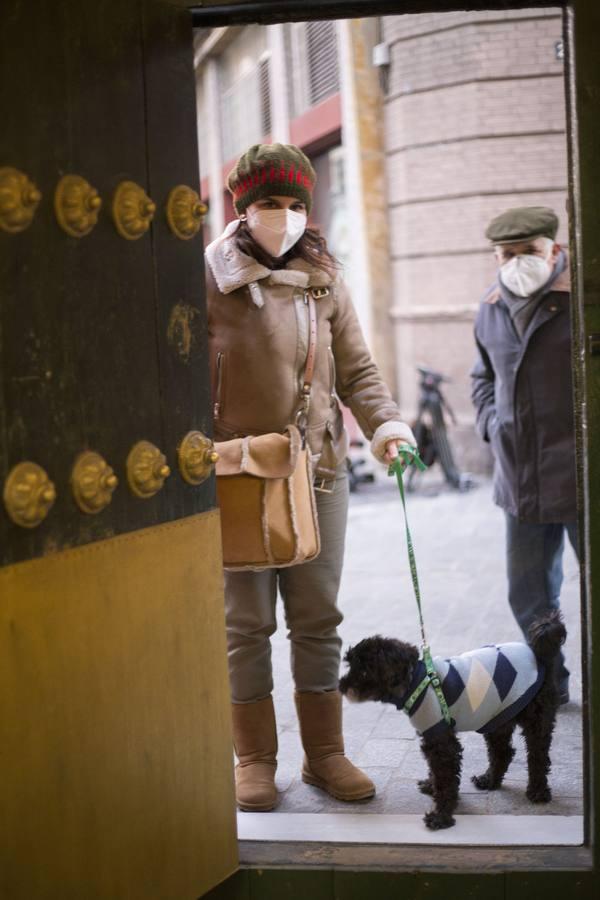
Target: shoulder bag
x=265, y=488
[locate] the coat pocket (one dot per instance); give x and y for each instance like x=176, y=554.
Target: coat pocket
x=334, y=449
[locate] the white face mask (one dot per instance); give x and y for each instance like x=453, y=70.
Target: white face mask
x=524, y=275
x=276, y=230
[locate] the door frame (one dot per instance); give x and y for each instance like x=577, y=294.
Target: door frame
x=582, y=82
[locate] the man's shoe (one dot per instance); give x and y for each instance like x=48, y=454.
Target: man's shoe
x=563, y=696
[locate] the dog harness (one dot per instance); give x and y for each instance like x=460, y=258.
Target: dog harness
x=483, y=689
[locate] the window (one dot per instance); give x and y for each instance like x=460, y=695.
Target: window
x=312, y=49
x=245, y=92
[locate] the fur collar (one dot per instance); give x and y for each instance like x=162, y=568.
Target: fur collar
x=233, y=269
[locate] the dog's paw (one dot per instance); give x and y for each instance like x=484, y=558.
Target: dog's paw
x=484, y=782
x=436, y=820
x=541, y=794
x=425, y=786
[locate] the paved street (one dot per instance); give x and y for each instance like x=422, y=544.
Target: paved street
x=459, y=545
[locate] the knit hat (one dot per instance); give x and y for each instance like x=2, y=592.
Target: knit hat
x=271, y=169
x=522, y=223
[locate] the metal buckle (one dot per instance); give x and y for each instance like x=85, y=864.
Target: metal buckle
x=324, y=485
x=319, y=292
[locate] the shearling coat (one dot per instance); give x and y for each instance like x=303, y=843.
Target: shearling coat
x=523, y=393
x=258, y=329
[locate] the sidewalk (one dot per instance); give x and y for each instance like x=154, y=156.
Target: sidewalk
x=459, y=546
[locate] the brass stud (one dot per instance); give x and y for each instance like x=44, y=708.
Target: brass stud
x=28, y=494
x=197, y=457
x=147, y=469
x=132, y=210
x=93, y=482
x=19, y=199
x=76, y=204
x=184, y=212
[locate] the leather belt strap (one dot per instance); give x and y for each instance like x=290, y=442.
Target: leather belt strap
x=303, y=409
x=312, y=338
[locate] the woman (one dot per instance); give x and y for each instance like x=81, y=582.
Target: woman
x=257, y=274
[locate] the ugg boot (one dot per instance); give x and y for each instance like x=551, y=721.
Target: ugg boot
x=255, y=742
x=325, y=766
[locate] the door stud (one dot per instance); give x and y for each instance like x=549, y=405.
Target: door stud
x=197, y=457
x=185, y=212
x=76, y=204
x=147, y=469
x=28, y=494
x=93, y=482
x=19, y=199
x=132, y=210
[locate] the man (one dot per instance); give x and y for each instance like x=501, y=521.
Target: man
x=523, y=394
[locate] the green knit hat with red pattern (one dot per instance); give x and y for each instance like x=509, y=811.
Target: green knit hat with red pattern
x=267, y=170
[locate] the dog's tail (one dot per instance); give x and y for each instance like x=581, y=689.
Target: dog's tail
x=546, y=635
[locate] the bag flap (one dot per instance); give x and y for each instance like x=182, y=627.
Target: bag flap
x=264, y=456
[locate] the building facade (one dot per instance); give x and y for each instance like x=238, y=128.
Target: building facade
x=421, y=128
x=474, y=124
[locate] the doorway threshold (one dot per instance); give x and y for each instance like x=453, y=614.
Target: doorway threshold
x=361, y=828
x=399, y=843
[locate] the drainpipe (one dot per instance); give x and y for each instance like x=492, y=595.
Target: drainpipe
x=215, y=160
x=367, y=186
x=358, y=269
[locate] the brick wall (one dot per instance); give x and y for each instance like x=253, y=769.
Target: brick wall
x=474, y=123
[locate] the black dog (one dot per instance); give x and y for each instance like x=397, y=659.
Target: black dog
x=490, y=690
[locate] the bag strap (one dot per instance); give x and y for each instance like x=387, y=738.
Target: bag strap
x=309, y=369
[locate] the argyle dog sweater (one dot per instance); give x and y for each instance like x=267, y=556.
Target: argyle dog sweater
x=483, y=688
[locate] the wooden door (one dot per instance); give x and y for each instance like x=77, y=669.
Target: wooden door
x=116, y=749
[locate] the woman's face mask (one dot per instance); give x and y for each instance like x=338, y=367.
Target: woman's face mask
x=276, y=230
x=525, y=274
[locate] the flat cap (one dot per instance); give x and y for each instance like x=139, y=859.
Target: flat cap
x=521, y=224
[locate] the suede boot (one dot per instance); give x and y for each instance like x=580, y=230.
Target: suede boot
x=325, y=766
x=255, y=743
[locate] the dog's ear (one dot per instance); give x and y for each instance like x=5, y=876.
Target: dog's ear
x=412, y=654
x=405, y=657
x=349, y=654
x=364, y=648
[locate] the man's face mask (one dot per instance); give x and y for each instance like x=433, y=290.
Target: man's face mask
x=276, y=230
x=525, y=274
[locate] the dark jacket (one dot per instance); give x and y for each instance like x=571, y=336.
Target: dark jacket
x=522, y=390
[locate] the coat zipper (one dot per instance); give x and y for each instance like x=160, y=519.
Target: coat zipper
x=217, y=404
x=332, y=374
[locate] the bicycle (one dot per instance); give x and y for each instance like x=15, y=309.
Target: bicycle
x=431, y=434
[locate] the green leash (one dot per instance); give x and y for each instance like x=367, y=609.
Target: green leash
x=410, y=456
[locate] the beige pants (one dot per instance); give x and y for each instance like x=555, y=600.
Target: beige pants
x=309, y=593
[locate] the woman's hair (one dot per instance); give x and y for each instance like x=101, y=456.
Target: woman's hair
x=311, y=247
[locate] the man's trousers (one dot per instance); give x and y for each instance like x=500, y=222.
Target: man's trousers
x=535, y=573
